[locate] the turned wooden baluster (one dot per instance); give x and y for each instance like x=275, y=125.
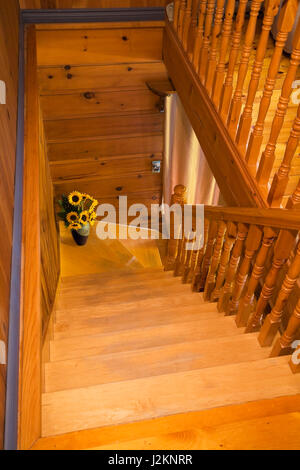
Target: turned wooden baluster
x=181, y=257
x=212, y=61
x=212, y=233
x=268, y=156
x=283, y=345
x=227, y=90
x=224, y=260
x=198, y=260
x=232, y=268
x=294, y=199
x=285, y=24
x=211, y=277
x=187, y=265
x=236, y=102
x=273, y=320
x=199, y=34
x=282, y=249
x=206, y=39
x=271, y=10
x=193, y=29
x=295, y=361
x=220, y=70
x=186, y=23
x=252, y=244
x=181, y=14
x=176, y=12
x=281, y=178
x=177, y=198
x=246, y=303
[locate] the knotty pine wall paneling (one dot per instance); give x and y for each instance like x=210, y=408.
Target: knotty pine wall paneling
x=9, y=26
x=102, y=124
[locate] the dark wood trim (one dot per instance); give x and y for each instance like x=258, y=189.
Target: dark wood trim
x=12, y=393
x=86, y=15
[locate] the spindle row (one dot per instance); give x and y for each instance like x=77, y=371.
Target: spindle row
x=249, y=81
x=244, y=256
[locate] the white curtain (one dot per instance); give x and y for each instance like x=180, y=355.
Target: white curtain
x=185, y=162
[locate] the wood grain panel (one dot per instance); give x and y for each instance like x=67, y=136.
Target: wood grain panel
x=92, y=102
x=40, y=255
x=63, y=130
x=102, y=123
x=30, y=340
x=122, y=401
x=105, y=148
x=39, y=4
x=9, y=24
x=101, y=77
x=103, y=167
x=182, y=427
x=49, y=238
x=141, y=197
x=99, y=46
x=111, y=187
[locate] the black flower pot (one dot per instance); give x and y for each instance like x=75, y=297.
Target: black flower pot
x=81, y=236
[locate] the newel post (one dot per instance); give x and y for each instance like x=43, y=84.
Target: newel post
x=179, y=197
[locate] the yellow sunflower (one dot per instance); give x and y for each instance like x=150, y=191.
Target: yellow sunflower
x=94, y=204
x=72, y=217
x=75, y=226
x=93, y=217
x=87, y=196
x=75, y=198
x=84, y=217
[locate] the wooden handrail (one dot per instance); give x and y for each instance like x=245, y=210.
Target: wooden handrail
x=277, y=218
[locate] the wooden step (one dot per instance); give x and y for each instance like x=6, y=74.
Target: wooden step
x=72, y=347
x=127, y=293
x=166, y=359
x=114, y=276
x=140, y=314
x=149, y=304
x=145, y=398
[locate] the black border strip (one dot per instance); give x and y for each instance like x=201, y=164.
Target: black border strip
x=12, y=380
x=102, y=15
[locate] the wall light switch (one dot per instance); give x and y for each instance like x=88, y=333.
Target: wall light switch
x=2, y=92
x=156, y=166
x=2, y=353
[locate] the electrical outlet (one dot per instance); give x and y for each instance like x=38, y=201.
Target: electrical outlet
x=2, y=353
x=2, y=92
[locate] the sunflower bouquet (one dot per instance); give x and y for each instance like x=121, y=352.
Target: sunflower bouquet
x=78, y=210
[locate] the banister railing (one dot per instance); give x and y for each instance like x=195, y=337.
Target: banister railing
x=244, y=255
x=249, y=81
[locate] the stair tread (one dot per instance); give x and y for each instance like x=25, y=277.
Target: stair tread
x=160, y=360
x=135, y=315
x=120, y=274
x=150, y=397
x=126, y=294
x=162, y=299
x=138, y=338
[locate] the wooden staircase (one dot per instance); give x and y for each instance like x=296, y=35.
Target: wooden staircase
x=136, y=344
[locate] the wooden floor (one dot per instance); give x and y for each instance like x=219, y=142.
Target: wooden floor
x=134, y=349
